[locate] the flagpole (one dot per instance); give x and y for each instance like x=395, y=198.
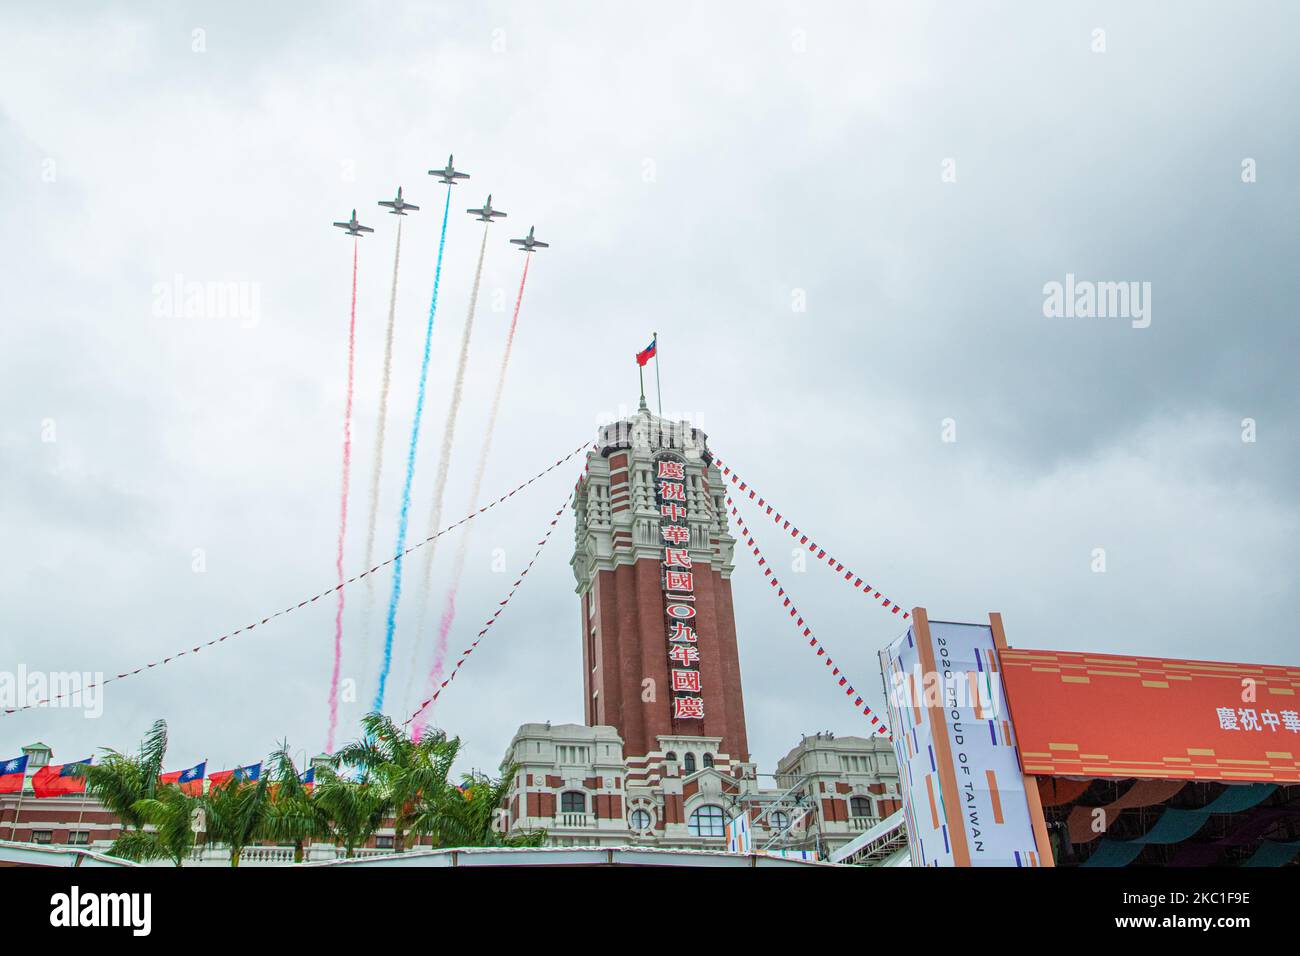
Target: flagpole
x=81, y=814
x=13, y=827
x=659, y=390
x=640, y=371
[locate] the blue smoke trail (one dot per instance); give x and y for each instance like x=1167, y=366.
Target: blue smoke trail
x=410, y=474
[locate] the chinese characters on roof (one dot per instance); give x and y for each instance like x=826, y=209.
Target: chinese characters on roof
x=1248, y=718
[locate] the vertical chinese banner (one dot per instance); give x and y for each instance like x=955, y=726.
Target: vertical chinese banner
x=678, y=582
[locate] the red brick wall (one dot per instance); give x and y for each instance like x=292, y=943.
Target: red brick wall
x=633, y=646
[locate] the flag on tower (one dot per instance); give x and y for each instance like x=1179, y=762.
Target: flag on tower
x=190, y=781
x=307, y=778
x=648, y=352
x=58, y=780
x=12, y=773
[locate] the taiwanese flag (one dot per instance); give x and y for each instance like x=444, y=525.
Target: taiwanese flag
x=307, y=778
x=12, y=773
x=190, y=781
x=247, y=774
x=58, y=780
x=648, y=353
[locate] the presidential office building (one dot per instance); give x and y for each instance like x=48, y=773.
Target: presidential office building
x=662, y=758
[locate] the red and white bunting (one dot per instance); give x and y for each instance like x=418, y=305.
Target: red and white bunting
x=311, y=600
x=501, y=606
x=819, y=552
x=841, y=679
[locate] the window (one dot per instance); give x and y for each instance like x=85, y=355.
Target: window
x=707, y=822
x=79, y=838
x=42, y=836
x=708, y=760
x=860, y=807
x=573, y=802
x=671, y=755
x=383, y=843
x=778, y=820
x=688, y=763
x=639, y=820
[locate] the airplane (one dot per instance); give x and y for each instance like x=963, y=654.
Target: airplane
x=448, y=175
x=529, y=243
x=352, y=227
x=487, y=212
x=399, y=205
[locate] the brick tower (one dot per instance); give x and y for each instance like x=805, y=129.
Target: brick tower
x=653, y=561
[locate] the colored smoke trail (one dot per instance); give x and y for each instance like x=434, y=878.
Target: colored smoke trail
x=402, y=522
x=380, y=428
x=444, y=457
x=343, y=508
x=462, y=548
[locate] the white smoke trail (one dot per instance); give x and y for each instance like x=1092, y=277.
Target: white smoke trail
x=444, y=460
x=378, y=467
x=462, y=547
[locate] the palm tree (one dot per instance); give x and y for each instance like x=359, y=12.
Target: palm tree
x=410, y=776
x=120, y=781
x=170, y=813
x=237, y=813
x=355, y=809
x=468, y=817
x=292, y=816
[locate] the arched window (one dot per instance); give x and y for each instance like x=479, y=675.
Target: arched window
x=707, y=822
x=671, y=755
x=708, y=760
x=778, y=820
x=688, y=763
x=573, y=802
x=860, y=807
x=639, y=820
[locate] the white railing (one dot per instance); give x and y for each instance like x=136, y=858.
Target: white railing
x=862, y=823
x=573, y=821
x=217, y=855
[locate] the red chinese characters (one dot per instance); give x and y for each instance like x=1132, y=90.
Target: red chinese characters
x=683, y=654
x=679, y=581
x=679, y=590
x=675, y=534
x=686, y=680
x=688, y=708
x=681, y=632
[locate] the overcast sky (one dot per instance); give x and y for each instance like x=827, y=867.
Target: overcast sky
x=700, y=170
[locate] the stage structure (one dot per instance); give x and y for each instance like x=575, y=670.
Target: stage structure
x=1023, y=757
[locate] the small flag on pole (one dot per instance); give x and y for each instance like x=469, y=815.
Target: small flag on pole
x=248, y=774
x=12, y=773
x=646, y=354
x=190, y=781
x=59, y=779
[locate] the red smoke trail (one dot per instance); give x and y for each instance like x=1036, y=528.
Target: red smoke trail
x=449, y=610
x=343, y=510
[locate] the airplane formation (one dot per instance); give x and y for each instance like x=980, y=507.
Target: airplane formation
x=448, y=175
